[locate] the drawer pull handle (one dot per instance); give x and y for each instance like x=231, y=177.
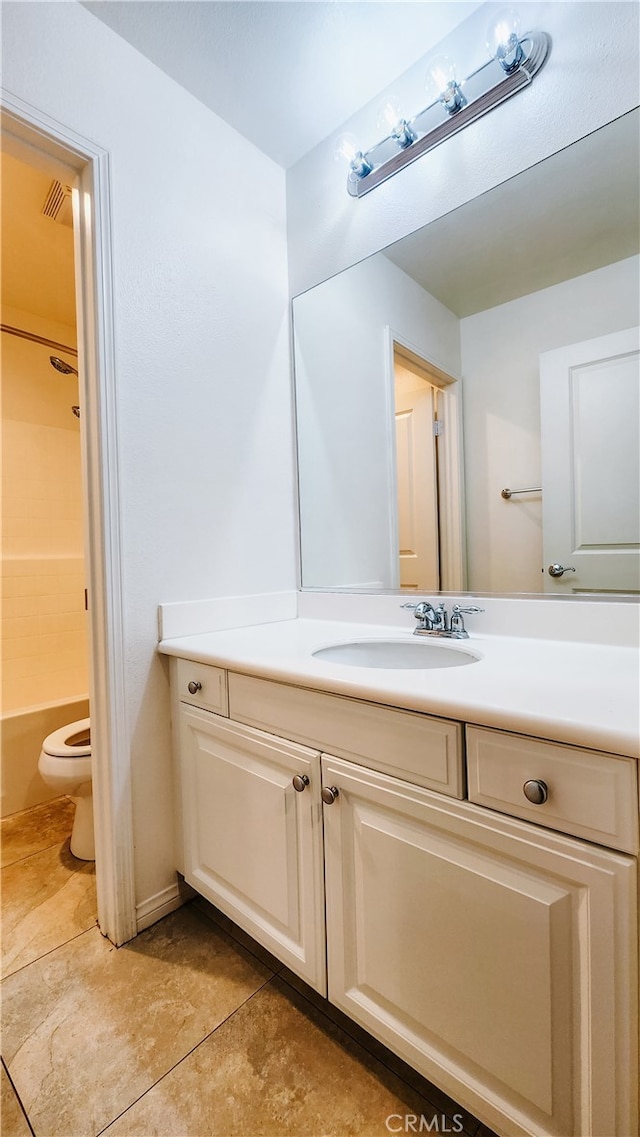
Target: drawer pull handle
x=300, y=782
x=329, y=794
x=536, y=791
x=193, y=687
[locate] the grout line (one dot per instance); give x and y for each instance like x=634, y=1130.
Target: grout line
x=51, y=949
x=354, y=1036
x=189, y=1053
x=19, y=1099
x=29, y=810
x=36, y=852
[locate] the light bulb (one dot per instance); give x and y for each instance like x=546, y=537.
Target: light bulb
x=442, y=84
x=390, y=114
x=348, y=151
x=503, y=40
x=392, y=121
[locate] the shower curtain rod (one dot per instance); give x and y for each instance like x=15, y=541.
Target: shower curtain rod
x=37, y=339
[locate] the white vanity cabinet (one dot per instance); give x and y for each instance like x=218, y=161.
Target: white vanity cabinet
x=252, y=843
x=496, y=956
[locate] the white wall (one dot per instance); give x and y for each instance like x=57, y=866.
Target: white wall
x=344, y=396
x=500, y=363
x=203, y=397
x=590, y=78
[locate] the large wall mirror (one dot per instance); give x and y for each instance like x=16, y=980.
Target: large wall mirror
x=467, y=399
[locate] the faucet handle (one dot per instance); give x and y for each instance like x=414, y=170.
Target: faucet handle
x=458, y=629
x=421, y=609
x=425, y=613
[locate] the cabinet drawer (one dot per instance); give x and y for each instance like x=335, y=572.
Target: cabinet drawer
x=419, y=748
x=590, y=795
x=212, y=690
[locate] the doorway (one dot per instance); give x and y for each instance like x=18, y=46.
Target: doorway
x=427, y=474
x=34, y=138
x=417, y=468
x=45, y=680
x=48, y=892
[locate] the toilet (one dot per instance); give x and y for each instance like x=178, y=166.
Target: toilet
x=65, y=764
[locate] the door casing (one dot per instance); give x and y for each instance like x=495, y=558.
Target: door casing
x=33, y=133
x=450, y=468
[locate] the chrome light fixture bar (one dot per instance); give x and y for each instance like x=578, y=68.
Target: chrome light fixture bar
x=513, y=68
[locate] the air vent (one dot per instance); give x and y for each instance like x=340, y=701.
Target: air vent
x=57, y=205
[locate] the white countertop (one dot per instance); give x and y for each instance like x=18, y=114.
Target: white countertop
x=584, y=694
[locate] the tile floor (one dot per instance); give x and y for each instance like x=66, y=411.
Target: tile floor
x=191, y=1030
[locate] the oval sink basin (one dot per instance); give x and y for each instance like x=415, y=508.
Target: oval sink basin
x=398, y=654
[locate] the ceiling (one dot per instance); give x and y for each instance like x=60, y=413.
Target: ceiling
x=37, y=252
x=571, y=214
x=284, y=73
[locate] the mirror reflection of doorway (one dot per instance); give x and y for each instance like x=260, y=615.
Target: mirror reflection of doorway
x=419, y=438
x=418, y=537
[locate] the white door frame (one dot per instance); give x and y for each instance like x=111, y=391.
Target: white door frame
x=27, y=127
x=450, y=470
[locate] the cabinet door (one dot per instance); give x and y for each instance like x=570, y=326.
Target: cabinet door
x=252, y=843
x=497, y=958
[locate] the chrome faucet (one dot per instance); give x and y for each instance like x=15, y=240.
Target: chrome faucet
x=436, y=621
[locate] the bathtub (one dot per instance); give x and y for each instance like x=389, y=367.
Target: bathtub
x=21, y=735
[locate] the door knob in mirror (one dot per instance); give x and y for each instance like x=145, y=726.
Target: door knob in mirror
x=559, y=570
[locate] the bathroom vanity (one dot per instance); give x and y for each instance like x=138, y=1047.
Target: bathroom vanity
x=453, y=864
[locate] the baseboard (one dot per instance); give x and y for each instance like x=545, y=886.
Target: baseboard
x=152, y=909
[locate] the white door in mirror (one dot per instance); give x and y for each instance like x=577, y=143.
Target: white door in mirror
x=590, y=416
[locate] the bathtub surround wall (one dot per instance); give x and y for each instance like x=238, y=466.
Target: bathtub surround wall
x=45, y=679
x=206, y=462
x=44, y=640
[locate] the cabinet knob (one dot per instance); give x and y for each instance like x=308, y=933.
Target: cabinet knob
x=329, y=794
x=300, y=782
x=193, y=687
x=536, y=791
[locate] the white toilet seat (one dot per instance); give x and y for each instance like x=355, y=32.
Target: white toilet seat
x=66, y=767
x=57, y=743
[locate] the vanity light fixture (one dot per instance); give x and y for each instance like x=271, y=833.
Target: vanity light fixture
x=515, y=60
